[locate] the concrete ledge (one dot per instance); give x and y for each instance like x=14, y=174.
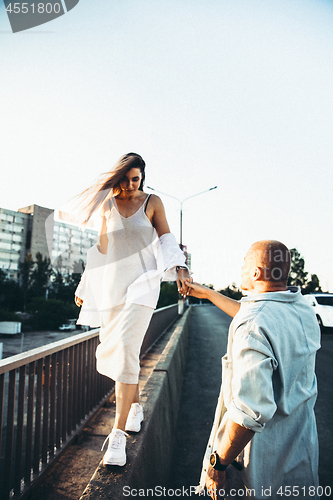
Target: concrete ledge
x=149, y=452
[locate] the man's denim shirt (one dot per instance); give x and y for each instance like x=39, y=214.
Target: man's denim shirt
x=269, y=386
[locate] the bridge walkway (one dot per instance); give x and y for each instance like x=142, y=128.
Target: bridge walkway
x=202, y=377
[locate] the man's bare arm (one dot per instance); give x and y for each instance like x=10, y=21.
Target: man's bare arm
x=228, y=305
x=234, y=439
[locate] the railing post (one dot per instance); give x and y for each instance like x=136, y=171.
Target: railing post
x=9, y=434
x=19, y=431
x=38, y=418
x=46, y=409
x=53, y=406
x=59, y=399
x=70, y=390
x=58, y=387
x=28, y=449
x=64, y=427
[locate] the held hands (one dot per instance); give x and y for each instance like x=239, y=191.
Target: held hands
x=196, y=290
x=183, y=280
x=78, y=301
x=185, y=287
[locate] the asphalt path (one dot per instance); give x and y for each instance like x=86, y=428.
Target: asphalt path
x=201, y=384
x=22, y=342
x=200, y=390
x=324, y=409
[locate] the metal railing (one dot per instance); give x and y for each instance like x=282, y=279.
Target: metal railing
x=46, y=397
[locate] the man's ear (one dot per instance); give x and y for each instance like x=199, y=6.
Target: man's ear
x=258, y=274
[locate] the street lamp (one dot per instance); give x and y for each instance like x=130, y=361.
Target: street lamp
x=181, y=207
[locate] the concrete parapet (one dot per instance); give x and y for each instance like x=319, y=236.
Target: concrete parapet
x=149, y=452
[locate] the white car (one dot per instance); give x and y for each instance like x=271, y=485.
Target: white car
x=323, y=307
x=70, y=325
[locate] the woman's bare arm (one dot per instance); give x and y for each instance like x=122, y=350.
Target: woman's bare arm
x=102, y=243
x=156, y=214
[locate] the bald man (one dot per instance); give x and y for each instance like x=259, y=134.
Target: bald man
x=264, y=443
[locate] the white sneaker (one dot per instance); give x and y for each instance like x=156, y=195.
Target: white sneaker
x=116, y=452
x=134, y=419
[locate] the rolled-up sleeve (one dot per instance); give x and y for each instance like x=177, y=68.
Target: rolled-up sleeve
x=252, y=404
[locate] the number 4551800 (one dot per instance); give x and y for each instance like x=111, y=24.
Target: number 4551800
x=310, y=491
x=32, y=8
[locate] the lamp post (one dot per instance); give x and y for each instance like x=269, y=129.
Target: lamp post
x=181, y=207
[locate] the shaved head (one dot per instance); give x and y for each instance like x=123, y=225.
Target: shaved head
x=274, y=258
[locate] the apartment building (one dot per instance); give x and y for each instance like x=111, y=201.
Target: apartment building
x=70, y=245
x=15, y=229
x=36, y=229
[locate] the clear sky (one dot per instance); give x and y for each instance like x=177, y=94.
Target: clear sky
x=233, y=93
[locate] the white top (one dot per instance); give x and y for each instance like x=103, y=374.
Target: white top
x=131, y=271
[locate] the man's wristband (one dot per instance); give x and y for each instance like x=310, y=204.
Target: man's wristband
x=214, y=461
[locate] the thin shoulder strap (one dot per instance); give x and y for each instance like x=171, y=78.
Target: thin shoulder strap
x=146, y=202
x=110, y=203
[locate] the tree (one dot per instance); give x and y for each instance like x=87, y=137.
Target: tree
x=50, y=314
x=10, y=293
x=2, y=286
x=74, y=279
x=297, y=275
x=312, y=286
x=232, y=291
x=57, y=289
x=29, y=293
x=63, y=286
x=25, y=277
x=40, y=275
x=168, y=294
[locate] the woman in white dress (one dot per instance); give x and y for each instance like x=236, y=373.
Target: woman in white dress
x=121, y=283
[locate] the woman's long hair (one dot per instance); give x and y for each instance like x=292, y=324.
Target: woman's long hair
x=107, y=184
